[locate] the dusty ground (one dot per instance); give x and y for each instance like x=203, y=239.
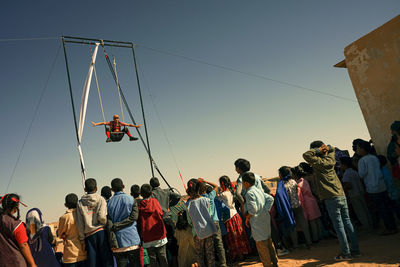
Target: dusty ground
x=376, y=251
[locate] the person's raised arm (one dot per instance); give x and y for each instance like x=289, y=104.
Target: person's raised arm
x=99, y=123
x=312, y=156
x=215, y=186
x=130, y=125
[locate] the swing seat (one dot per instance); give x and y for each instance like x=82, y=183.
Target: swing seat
x=116, y=136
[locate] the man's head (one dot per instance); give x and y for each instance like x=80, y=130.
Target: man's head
x=248, y=179
x=316, y=144
x=154, y=182
x=146, y=191
x=116, y=118
x=90, y=186
x=106, y=192
x=71, y=201
x=117, y=185
x=242, y=166
x=135, y=190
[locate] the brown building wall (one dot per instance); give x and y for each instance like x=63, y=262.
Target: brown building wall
x=373, y=63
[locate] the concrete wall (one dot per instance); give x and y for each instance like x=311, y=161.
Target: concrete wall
x=373, y=63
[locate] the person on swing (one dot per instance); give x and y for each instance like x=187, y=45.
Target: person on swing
x=115, y=126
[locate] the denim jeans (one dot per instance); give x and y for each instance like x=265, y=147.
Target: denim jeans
x=339, y=214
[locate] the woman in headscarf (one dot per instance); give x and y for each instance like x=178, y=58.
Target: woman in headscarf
x=40, y=239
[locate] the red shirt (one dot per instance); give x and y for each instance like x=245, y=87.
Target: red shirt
x=20, y=234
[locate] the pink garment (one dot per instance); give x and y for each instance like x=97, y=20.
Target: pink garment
x=308, y=201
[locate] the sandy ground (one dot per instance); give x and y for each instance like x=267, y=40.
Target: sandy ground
x=376, y=251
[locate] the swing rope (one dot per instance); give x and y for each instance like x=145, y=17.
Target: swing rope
x=118, y=88
x=98, y=91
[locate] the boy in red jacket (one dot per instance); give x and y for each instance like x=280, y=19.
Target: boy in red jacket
x=152, y=229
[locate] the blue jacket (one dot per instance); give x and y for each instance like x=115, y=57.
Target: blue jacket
x=283, y=207
x=223, y=214
x=119, y=208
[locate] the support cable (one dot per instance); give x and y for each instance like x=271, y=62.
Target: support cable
x=161, y=124
x=141, y=104
x=248, y=73
x=33, y=119
x=197, y=61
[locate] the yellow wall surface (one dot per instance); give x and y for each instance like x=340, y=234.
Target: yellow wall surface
x=373, y=63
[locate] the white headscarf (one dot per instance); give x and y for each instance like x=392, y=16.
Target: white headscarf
x=34, y=216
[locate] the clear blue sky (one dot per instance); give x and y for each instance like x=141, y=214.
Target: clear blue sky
x=211, y=116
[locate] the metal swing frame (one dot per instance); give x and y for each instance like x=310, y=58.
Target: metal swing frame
x=112, y=43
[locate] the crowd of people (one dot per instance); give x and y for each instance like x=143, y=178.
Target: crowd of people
x=326, y=196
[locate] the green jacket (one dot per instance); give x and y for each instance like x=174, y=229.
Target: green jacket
x=327, y=183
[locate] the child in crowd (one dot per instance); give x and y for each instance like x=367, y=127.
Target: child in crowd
x=91, y=219
x=152, y=227
x=292, y=190
x=184, y=236
x=257, y=206
x=14, y=248
x=135, y=192
x=218, y=244
x=198, y=208
x=41, y=239
x=121, y=208
x=355, y=190
x=237, y=242
x=308, y=203
x=74, y=253
x=106, y=192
